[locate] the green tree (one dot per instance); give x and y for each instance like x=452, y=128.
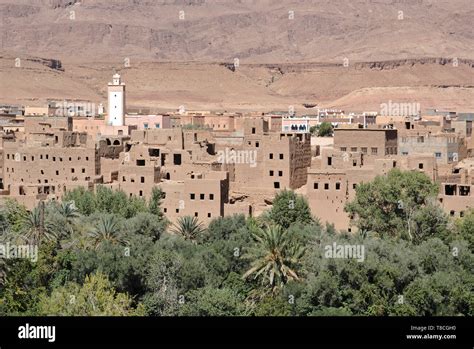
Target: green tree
x=395, y=205
x=325, y=129
x=275, y=258
x=84, y=200
x=289, y=208
x=154, y=205
x=465, y=228
x=210, y=301
x=188, y=227
x=107, y=228
x=37, y=228
x=96, y=297
x=68, y=210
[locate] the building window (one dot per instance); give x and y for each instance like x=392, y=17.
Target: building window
x=374, y=151
x=354, y=186
x=363, y=150
x=192, y=196
x=438, y=155
x=280, y=173
x=57, y=173
x=281, y=156
x=72, y=170
x=253, y=130
x=450, y=189
x=329, y=160
x=257, y=144
x=276, y=185
x=165, y=210
x=326, y=186
x=343, y=148
x=177, y=159
x=141, y=192
x=209, y=215
x=353, y=149
x=271, y=173
x=145, y=125
x=404, y=153
x=201, y=196
x=157, y=125
x=464, y=190
x=142, y=179
x=123, y=179
x=211, y=196
x=315, y=185
x=196, y=214
x=270, y=156
x=83, y=170
x=338, y=186
x=421, y=139
x=420, y=166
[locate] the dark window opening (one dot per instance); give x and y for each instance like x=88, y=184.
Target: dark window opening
x=315, y=185
x=450, y=189
x=177, y=159
x=326, y=186
x=464, y=190
x=276, y=185
x=338, y=186
x=329, y=161
x=141, y=162
x=153, y=152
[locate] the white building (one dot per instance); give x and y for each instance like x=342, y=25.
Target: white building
x=116, y=102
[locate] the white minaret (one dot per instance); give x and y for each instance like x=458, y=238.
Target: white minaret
x=116, y=102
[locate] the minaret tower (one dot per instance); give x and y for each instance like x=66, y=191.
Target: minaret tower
x=116, y=102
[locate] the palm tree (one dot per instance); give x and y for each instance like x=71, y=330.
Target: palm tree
x=68, y=210
x=106, y=229
x=188, y=227
x=274, y=258
x=36, y=228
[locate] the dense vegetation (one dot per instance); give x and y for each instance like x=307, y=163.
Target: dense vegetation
x=104, y=253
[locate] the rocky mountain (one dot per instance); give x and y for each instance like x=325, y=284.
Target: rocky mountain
x=257, y=31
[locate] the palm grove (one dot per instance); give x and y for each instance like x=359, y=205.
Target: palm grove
x=105, y=253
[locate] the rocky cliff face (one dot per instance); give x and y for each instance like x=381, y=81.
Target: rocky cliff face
x=257, y=31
